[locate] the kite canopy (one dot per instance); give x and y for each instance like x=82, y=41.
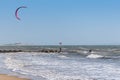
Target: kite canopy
x=60, y=43
x=16, y=12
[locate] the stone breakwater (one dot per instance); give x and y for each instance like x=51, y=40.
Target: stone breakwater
x=45, y=49
x=42, y=50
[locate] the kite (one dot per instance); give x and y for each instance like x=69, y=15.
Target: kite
x=16, y=12
x=60, y=43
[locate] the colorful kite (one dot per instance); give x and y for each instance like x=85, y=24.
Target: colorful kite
x=16, y=12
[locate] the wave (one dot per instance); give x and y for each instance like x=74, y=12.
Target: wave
x=59, y=67
x=63, y=57
x=13, y=64
x=95, y=56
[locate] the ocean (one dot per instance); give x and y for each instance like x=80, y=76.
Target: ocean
x=95, y=62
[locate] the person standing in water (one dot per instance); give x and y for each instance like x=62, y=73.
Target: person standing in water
x=90, y=51
x=60, y=49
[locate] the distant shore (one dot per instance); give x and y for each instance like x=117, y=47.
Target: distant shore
x=8, y=77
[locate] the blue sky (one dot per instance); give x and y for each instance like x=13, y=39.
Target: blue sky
x=73, y=22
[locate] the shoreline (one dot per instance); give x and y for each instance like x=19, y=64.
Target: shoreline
x=9, y=77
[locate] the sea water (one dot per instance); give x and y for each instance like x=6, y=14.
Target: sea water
x=74, y=63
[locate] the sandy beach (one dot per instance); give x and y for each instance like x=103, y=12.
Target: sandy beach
x=8, y=77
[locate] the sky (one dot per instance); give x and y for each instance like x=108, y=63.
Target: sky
x=72, y=22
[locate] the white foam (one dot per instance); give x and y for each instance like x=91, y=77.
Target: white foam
x=50, y=67
x=13, y=64
x=63, y=56
x=85, y=52
x=94, y=56
x=52, y=75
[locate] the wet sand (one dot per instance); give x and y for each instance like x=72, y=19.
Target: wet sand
x=8, y=77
